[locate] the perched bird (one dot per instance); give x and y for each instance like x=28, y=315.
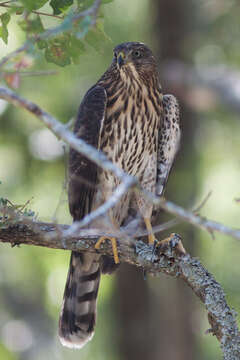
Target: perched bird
x=126, y=116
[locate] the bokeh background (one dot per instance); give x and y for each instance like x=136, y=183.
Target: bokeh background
x=196, y=43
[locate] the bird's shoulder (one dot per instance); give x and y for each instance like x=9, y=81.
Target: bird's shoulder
x=91, y=109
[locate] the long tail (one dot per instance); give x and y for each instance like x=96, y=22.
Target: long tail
x=78, y=315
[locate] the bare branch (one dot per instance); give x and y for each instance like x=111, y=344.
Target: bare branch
x=189, y=216
x=169, y=258
x=46, y=14
x=197, y=220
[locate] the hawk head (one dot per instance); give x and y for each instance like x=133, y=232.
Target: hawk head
x=135, y=59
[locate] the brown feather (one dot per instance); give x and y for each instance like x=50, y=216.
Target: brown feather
x=122, y=116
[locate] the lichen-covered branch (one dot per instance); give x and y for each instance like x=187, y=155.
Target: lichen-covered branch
x=169, y=257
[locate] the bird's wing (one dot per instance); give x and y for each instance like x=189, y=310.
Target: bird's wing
x=83, y=173
x=169, y=141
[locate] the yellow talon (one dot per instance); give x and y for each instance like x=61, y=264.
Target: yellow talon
x=114, y=246
x=151, y=237
x=165, y=242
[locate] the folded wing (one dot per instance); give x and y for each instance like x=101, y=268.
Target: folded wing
x=78, y=315
x=169, y=141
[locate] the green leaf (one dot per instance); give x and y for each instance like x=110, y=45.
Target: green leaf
x=85, y=4
x=3, y=201
x=18, y=10
x=33, y=4
x=4, y=34
x=5, y=18
x=57, y=52
x=32, y=26
x=42, y=44
x=63, y=50
x=36, y=25
x=60, y=6
x=97, y=38
x=75, y=49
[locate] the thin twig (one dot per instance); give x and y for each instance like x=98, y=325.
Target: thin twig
x=30, y=73
x=92, y=12
x=197, y=220
x=6, y=58
x=25, y=205
x=202, y=203
x=46, y=14
x=6, y=5
x=169, y=224
x=6, y=2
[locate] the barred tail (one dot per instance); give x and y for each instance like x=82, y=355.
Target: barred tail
x=78, y=315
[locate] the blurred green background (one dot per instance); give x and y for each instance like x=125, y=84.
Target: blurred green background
x=159, y=318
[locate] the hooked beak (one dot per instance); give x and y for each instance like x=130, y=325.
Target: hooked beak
x=120, y=59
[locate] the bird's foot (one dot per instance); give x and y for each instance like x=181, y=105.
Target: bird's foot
x=172, y=242
x=151, y=236
x=114, y=246
x=151, y=239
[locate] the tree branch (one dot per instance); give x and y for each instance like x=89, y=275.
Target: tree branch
x=199, y=221
x=169, y=257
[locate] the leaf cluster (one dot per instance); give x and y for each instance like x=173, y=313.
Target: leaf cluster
x=64, y=43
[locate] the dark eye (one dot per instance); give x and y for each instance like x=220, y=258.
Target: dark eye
x=137, y=53
x=115, y=54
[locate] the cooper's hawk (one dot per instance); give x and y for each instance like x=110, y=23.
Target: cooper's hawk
x=127, y=117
